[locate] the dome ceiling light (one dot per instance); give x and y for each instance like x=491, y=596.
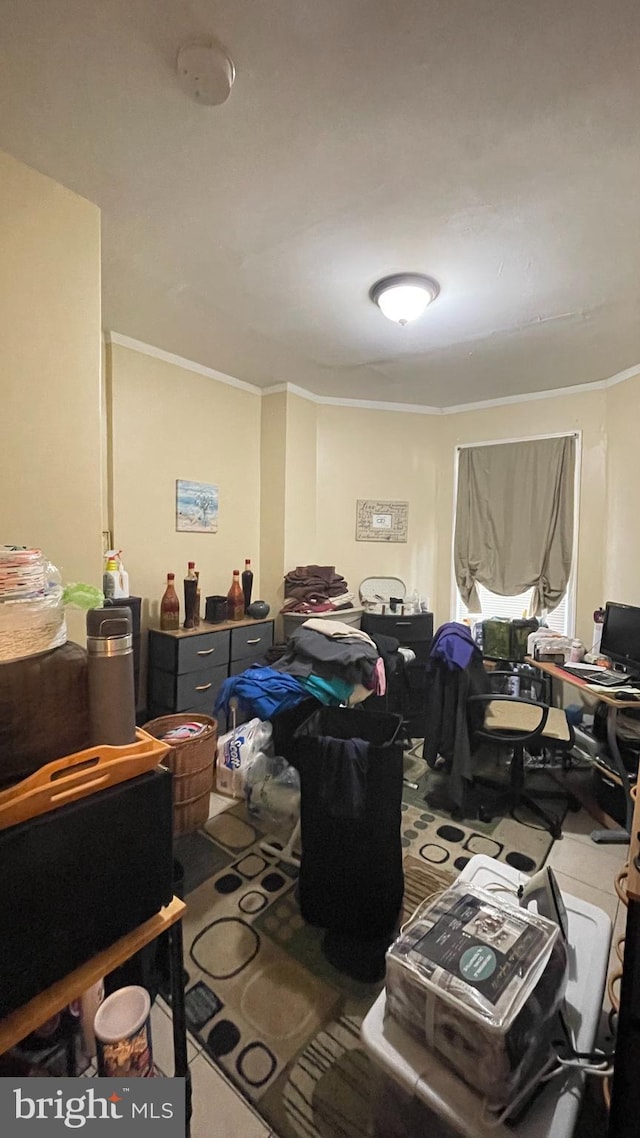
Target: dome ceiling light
x=404, y=296
x=206, y=72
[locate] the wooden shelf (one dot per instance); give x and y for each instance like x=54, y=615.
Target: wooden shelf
x=24, y=1020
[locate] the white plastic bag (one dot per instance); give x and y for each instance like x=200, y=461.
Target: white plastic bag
x=273, y=791
x=236, y=751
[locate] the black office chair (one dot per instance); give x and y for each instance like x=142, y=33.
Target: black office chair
x=521, y=724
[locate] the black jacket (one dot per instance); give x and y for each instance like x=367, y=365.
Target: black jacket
x=451, y=723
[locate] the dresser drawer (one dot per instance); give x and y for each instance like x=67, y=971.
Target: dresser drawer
x=182, y=692
x=196, y=689
x=188, y=653
x=197, y=653
x=250, y=642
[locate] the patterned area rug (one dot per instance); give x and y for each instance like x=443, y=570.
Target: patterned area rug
x=264, y=1000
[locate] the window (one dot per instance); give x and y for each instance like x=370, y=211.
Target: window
x=512, y=608
x=480, y=517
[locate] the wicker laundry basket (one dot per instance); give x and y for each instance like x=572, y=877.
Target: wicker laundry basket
x=191, y=762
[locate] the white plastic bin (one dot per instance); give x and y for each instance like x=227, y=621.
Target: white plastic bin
x=416, y=1095
x=293, y=620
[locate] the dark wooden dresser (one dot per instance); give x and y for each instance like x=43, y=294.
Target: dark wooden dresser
x=187, y=667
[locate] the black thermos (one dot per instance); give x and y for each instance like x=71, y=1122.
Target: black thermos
x=112, y=705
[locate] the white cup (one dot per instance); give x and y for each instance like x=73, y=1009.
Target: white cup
x=123, y=1034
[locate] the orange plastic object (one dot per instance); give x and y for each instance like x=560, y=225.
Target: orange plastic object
x=76, y=776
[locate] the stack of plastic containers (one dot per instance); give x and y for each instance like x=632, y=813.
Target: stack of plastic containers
x=31, y=610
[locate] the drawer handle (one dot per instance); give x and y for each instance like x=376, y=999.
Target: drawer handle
x=256, y=641
x=206, y=651
x=403, y=624
x=203, y=687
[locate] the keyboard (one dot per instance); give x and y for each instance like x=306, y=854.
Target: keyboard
x=603, y=676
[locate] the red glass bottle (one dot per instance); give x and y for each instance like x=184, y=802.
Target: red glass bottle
x=170, y=606
x=235, y=598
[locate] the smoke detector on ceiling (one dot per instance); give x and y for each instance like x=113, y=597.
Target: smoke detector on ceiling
x=205, y=72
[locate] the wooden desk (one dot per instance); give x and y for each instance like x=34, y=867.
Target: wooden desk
x=19, y=1024
x=603, y=695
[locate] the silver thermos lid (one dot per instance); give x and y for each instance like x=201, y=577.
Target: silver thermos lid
x=109, y=631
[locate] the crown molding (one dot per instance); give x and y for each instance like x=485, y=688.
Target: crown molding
x=363, y=404
x=554, y=393
x=366, y=404
x=178, y=361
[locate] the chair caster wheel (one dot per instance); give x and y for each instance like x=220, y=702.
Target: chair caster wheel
x=485, y=814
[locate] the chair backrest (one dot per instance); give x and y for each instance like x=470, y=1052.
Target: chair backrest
x=511, y=682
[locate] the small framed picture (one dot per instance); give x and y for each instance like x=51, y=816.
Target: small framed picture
x=196, y=507
x=381, y=521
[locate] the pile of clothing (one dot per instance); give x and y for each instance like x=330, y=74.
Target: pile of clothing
x=332, y=662
x=315, y=588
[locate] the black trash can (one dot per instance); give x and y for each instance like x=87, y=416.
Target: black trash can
x=351, y=880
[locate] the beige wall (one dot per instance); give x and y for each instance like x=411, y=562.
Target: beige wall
x=291, y=494
x=300, y=502
x=273, y=450
x=169, y=423
x=584, y=412
x=621, y=550
x=50, y=457
x=377, y=454
x=288, y=491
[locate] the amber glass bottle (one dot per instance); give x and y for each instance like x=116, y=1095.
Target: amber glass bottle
x=170, y=606
x=235, y=599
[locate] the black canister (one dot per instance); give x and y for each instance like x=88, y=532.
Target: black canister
x=112, y=706
x=215, y=610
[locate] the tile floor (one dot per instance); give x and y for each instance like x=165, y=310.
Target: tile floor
x=582, y=868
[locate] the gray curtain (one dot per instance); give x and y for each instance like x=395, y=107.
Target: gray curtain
x=514, y=520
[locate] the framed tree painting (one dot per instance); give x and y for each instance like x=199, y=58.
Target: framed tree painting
x=196, y=506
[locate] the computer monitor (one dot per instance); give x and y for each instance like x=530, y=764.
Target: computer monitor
x=621, y=635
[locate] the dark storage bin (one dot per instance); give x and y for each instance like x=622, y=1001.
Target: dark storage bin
x=44, y=710
x=78, y=878
x=413, y=630
x=151, y=966
x=351, y=880
x=610, y=797
x=507, y=639
x=286, y=723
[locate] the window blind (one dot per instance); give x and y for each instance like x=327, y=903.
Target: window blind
x=513, y=608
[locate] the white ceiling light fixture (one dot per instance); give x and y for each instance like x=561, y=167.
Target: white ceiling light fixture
x=205, y=72
x=404, y=296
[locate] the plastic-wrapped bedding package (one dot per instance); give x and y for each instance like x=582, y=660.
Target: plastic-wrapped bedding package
x=479, y=981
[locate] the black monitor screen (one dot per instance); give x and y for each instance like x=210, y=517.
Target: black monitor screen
x=621, y=634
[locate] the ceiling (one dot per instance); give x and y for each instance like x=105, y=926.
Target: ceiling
x=492, y=144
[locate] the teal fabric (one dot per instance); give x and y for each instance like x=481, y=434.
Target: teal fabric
x=331, y=692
